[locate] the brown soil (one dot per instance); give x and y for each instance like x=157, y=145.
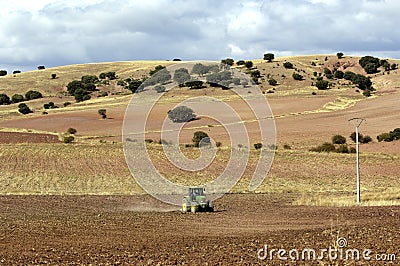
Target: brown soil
x=138, y=230
x=19, y=137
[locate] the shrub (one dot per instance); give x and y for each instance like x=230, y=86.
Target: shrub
x=339, y=55
x=103, y=113
x=322, y=84
x=68, y=139
x=395, y=134
x=297, y=76
x=348, y=75
x=24, y=109
x=3, y=72
x=181, y=114
x=218, y=144
x=66, y=104
x=352, y=150
x=16, y=98
x=325, y=147
x=361, y=138
x=198, y=136
x=338, y=74
x=240, y=62
x=287, y=147
x=384, y=137
x=248, y=64
x=288, y=65
x=258, y=146
x=272, y=82
x=181, y=75
x=41, y=67
x=148, y=141
x=370, y=64
x=4, y=99
x=338, y=139
x=53, y=76
x=71, y=131
x=159, y=88
x=366, y=139
x=228, y=61
x=31, y=95
x=16, y=71
x=342, y=149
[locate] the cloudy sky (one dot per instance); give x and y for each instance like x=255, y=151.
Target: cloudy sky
x=62, y=32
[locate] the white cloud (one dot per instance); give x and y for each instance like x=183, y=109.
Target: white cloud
x=69, y=31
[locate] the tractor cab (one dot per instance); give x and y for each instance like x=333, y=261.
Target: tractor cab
x=194, y=192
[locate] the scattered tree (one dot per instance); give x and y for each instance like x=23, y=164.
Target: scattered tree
x=269, y=57
x=181, y=75
x=16, y=98
x=24, y=109
x=159, y=88
x=338, y=74
x=31, y=95
x=258, y=146
x=71, y=131
x=3, y=72
x=248, y=64
x=322, y=84
x=41, y=67
x=338, y=139
x=198, y=137
x=339, y=55
x=4, y=99
x=370, y=64
x=16, y=71
x=53, y=76
x=297, y=76
x=103, y=113
x=181, y=114
x=228, y=61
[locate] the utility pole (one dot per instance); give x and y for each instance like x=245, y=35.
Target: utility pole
x=357, y=122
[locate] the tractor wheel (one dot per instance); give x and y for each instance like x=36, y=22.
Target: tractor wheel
x=194, y=208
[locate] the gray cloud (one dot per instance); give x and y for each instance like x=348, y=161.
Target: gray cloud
x=66, y=32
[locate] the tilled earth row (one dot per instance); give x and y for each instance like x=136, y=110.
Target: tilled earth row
x=246, y=229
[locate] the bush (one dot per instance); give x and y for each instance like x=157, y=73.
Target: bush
x=24, y=109
x=248, y=64
x=366, y=139
x=287, y=147
x=4, y=99
x=272, y=82
x=361, y=138
x=66, y=104
x=348, y=75
x=370, y=64
x=199, y=136
x=258, y=146
x=240, y=62
x=297, y=76
x=395, y=134
x=338, y=139
x=339, y=55
x=338, y=74
x=89, y=79
x=31, y=95
x=384, y=137
x=228, y=61
x=41, y=67
x=103, y=113
x=68, y=139
x=3, y=73
x=322, y=84
x=342, y=149
x=325, y=147
x=53, y=76
x=16, y=71
x=16, y=98
x=288, y=65
x=71, y=131
x=159, y=88
x=181, y=114
x=218, y=144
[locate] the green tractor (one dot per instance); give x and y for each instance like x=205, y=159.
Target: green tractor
x=196, y=201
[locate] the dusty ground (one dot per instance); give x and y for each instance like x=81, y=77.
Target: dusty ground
x=138, y=230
